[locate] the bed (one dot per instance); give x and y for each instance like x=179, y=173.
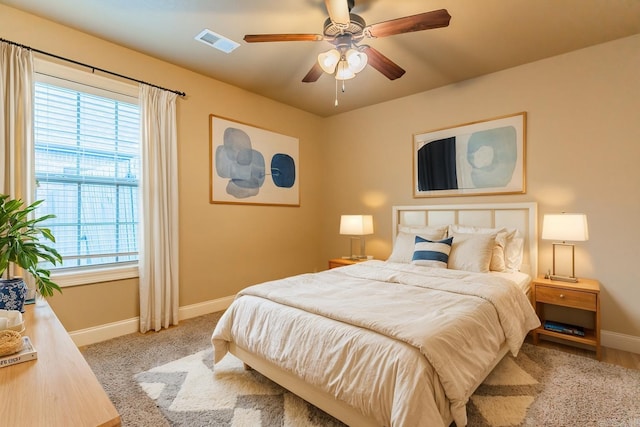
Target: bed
x=403, y=341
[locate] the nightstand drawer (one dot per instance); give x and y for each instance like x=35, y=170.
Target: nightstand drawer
x=566, y=298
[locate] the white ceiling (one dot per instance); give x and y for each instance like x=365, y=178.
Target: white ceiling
x=484, y=36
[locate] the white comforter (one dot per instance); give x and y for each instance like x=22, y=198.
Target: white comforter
x=392, y=340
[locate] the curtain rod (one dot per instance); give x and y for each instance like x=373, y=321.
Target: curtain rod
x=91, y=66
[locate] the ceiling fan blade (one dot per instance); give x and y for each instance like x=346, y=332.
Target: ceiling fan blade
x=383, y=64
x=422, y=21
x=338, y=11
x=314, y=73
x=257, y=38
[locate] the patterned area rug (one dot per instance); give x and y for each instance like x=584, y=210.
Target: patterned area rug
x=191, y=393
x=539, y=387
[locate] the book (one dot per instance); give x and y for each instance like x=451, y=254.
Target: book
x=564, y=328
x=27, y=353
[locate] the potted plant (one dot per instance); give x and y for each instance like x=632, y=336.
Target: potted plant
x=20, y=244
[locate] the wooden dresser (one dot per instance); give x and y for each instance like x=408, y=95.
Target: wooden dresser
x=57, y=389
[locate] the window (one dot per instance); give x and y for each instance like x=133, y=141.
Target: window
x=87, y=167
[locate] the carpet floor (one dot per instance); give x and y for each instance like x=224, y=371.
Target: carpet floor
x=159, y=379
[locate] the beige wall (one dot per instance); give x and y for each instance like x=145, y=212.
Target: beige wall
x=582, y=147
x=583, y=154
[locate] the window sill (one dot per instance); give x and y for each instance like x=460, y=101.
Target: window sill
x=87, y=277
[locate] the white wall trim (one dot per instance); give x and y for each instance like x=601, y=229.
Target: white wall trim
x=83, y=277
x=104, y=332
x=199, y=309
x=620, y=341
x=108, y=331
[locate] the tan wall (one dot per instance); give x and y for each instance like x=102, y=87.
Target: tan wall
x=222, y=247
x=583, y=148
x=582, y=139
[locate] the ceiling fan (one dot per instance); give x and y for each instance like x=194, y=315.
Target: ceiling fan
x=345, y=30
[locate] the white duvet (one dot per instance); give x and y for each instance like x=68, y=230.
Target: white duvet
x=406, y=345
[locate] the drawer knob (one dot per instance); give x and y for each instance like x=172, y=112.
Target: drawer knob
x=561, y=295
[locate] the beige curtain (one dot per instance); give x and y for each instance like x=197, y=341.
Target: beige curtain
x=159, y=210
x=16, y=123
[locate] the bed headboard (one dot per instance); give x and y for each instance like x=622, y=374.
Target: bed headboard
x=522, y=216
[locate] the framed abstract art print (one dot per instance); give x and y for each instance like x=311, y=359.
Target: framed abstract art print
x=250, y=165
x=478, y=158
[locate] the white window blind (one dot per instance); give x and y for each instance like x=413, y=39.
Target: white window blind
x=87, y=167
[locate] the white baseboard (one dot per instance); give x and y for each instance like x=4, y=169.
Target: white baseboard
x=95, y=334
x=620, y=341
x=108, y=331
x=201, y=308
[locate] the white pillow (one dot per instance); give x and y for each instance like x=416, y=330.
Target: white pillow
x=504, y=236
x=405, y=241
x=471, y=252
x=425, y=229
x=432, y=254
x=513, y=253
x=498, y=261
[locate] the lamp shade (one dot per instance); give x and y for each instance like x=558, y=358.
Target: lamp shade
x=343, y=72
x=565, y=226
x=357, y=60
x=328, y=60
x=356, y=225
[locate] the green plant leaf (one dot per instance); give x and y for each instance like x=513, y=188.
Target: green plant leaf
x=20, y=235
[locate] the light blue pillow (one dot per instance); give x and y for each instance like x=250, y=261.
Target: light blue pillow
x=432, y=254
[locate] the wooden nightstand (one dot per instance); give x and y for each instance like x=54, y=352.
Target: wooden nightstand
x=583, y=295
x=341, y=262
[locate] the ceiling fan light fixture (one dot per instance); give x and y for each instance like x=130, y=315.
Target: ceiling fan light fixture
x=346, y=30
x=328, y=60
x=343, y=72
x=357, y=60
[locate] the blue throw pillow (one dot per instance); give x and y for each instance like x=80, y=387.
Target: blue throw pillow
x=432, y=254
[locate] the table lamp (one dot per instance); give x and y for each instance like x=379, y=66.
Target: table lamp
x=563, y=227
x=356, y=226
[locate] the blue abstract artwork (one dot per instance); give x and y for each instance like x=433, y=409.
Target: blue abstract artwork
x=492, y=155
x=241, y=164
x=283, y=170
x=252, y=165
x=484, y=157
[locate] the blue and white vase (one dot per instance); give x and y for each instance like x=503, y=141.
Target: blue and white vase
x=12, y=294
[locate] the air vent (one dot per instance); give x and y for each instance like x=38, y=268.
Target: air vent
x=217, y=41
